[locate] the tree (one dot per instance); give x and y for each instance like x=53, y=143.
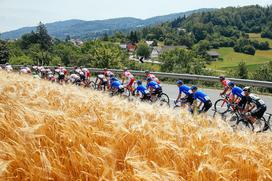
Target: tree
x=4, y=52
x=242, y=71
x=143, y=50
x=43, y=38
x=182, y=61
x=21, y=60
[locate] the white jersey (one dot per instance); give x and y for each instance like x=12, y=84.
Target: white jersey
x=24, y=71
x=9, y=68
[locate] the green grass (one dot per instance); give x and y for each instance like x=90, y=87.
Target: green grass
x=255, y=36
x=231, y=59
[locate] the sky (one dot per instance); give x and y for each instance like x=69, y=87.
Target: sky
x=15, y=14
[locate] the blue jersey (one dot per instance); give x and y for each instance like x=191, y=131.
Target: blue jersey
x=117, y=85
x=201, y=96
x=237, y=91
x=154, y=85
x=141, y=89
x=185, y=89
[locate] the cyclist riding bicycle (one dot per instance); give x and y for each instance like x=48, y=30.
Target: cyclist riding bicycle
x=238, y=95
x=203, y=98
x=252, y=101
x=116, y=86
x=152, y=76
x=142, y=91
x=108, y=74
x=101, y=80
x=154, y=87
x=8, y=67
x=184, y=89
x=225, y=83
x=130, y=79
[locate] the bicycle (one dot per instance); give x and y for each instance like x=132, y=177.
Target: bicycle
x=224, y=105
x=162, y=98
x=240, y=120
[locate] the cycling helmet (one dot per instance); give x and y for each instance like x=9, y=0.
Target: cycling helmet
x=139, y=82
x=114, y=79
x=105, y=69
x=149, y=79
x=179, y=82
x=111, y=75
x=231, y=84
x=247, y=89
x=147, y=71
x=194, y=87
x=222, y=78
x=125, y=69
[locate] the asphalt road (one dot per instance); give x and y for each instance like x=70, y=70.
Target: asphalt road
x=172, y=92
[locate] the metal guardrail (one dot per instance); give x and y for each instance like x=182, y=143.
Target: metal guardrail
x=254, y=83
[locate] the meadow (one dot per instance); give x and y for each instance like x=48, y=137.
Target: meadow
x=232, y=59
x=52, y=132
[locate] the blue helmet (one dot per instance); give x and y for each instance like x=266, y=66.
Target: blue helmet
x=149, y=79
x=139, y=82
x=194, y=87
x=231, y=84
x=179, y=82
x=114, y=79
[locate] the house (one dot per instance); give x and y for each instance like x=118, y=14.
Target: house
x=123, y=46
x=131, y=47
x=76, y=42
x=213, y=54
x=156, y=51
x=149, y=43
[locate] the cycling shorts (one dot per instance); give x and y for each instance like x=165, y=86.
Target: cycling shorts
x=259, y=112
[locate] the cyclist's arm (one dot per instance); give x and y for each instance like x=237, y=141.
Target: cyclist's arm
x=178, y=98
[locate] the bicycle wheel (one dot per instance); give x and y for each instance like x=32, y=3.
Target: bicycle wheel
x=260, y=125
x=164, y=99
x=221, y=106
x=92, y=85
x=243, y=124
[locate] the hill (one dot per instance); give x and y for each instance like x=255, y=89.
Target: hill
x=92, y=29
x=51, y=134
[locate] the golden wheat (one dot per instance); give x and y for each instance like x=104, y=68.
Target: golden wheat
x=52, y=132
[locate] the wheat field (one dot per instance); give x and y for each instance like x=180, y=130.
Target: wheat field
x=52, y=132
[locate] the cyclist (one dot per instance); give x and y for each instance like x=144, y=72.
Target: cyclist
x=154, y=87
x=142, y=91
x=252, y=101
x=102, y=81
x=225, y=83
x=152, y=76
x=116, y=86
x=87, y=73
x=130, y=79
x=184, y=89
x=8, y=67
x=203, y=98
x=108, y=74
x=238, y=95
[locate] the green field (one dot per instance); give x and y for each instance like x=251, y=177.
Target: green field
x=254, y=36
x=231, y=59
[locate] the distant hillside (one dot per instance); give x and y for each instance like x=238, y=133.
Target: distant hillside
x=92, y=29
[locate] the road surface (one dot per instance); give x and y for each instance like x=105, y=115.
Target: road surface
x=172, y=92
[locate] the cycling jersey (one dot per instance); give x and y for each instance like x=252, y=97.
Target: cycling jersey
x=185, y=89
x=154, y=85
x=237, y=91
x=153, y=77
x=130, y=78
x=101, y=77
x=255, y=100
x=225, y=83
x=108, y=73
x=201, y=96
x=142, y=89
x=117, y=85
x=8, y=68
